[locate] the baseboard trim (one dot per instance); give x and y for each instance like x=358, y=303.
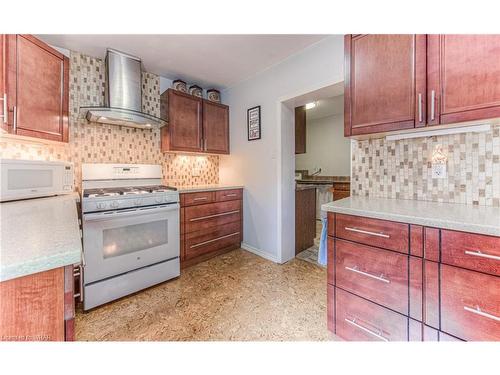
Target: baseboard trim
x=259, y=252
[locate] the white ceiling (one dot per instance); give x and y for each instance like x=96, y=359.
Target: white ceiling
x=218, y=61
x=326, y=107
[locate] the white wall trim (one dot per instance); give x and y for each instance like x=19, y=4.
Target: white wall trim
x=279, y=156
x=259, y=252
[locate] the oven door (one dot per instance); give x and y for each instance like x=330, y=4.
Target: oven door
x=121, y=241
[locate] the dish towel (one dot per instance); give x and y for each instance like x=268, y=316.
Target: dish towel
x=322, y=258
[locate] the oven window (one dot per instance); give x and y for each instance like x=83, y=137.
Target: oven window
x=29, y=178
x=132, y=238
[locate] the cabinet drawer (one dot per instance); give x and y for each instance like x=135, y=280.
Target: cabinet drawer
x=473, y=251
x=202, y=197
x=359, y=320
x=381, y=233
x=213, y=239
x=378, y=275
x=211, y=215
x=228, y=195
x=470, y=304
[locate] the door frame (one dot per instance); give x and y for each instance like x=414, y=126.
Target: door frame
x=285, y=138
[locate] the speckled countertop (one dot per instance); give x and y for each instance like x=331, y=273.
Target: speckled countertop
x=38, y=235
x=197, y=188
x=461, y=217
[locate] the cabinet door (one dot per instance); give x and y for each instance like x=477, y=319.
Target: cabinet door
x=3, y=92
x=464, y=78
x=184, y=131
x=385, y=78
x=41, y=104
x=215, y=127
x=300, y=130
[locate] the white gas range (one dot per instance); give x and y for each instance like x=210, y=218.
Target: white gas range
x=131, y=235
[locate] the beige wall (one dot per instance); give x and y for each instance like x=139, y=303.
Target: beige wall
x=97, y=143
x=326, y=147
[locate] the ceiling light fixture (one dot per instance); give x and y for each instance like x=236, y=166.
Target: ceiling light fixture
x=310, y=105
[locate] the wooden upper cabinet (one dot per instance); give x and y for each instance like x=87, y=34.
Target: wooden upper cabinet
x=300, y=130
x=36, y=84
x=384, y=83
x=215, y=127
x=463, y=78
x=184, y=129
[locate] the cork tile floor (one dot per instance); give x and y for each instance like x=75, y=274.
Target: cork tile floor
x=237, y=296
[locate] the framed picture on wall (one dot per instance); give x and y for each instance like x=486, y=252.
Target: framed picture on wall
x=253, y=122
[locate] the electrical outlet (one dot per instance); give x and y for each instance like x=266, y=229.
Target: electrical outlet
x=195, y=172
x=438, y=170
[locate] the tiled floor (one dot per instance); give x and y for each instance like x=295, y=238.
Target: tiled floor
x=236, y=296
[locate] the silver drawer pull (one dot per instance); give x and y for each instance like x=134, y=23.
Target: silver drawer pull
x=420, y=107
x=231, y=195
x=213, y=240
x=477, y=253
x=478, y=311
x=433, y=104
x=367, y=232
x=215, y=215
x=200, y=199
x=379, y=278
x=369, y=331
x=5, y=111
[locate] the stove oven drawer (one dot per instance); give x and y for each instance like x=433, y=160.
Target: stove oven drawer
x=212, y=239
x=211, y=215
x=470, y=304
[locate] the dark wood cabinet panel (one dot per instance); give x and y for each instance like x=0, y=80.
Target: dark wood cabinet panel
x=464, y=78
x=416, y=240
x=330, y=265
x=374, y=232
x=416, y=287
x=431, y=310
x=215, y=127
x=228, y=195
x=211, y=239
x=3, y=92
x=473, y=251
x=185, y=127
x=357, y=319
x=431, y=244
x=193, y=199
x=385, y=83
x=330, y=307
x=331, y=224
x=211, y=215
x=375, y=274
x=36, y=83
x=305, y=219
x=300, y=130
x=470, y=304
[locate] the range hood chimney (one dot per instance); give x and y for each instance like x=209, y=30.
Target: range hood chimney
x=123, y=94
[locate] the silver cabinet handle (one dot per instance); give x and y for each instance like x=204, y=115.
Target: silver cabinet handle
x=231, y=195
x=215, y=215
x=478, y=253
x=213, y=240
x=369, y=331
x=200, y=199
x=5, y=115
x=367, y=232
x=15, y=118
x=420, y=107
x=478, y=311
x=379, y=278
x=433, y=98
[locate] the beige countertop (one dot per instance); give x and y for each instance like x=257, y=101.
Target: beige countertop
x=461, y=217
x=198, y=188
x=38, y=235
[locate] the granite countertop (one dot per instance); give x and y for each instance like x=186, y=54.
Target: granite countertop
x=299, y=186
x=198, y=188
x=461, y=217
x=340, y=180
x=38, y=235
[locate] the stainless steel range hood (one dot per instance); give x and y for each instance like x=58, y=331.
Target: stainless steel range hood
x=123, y=94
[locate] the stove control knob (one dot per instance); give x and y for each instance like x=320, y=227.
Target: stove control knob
x=114, y=204
x=101, y=205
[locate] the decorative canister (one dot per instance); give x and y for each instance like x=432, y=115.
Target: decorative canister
x=179, y=85
x=213, y=95
x=196, y=90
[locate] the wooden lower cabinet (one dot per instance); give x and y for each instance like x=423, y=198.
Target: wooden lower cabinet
x=38, y=307
x=211, y=224
x=305, y=219
x=448, y=289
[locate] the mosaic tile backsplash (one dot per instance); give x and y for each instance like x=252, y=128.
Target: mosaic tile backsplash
x=403, y=169
x=98, y=143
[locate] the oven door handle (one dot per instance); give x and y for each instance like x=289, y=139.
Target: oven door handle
x=98, y=216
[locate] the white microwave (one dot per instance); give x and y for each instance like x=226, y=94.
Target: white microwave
x=23, y=179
